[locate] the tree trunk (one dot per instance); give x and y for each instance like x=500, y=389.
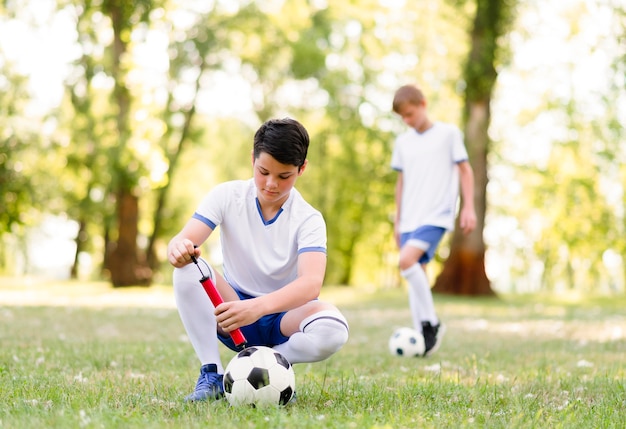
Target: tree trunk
x=464, y=271
x=80, y=241
x=124, y=266
x=123, y=263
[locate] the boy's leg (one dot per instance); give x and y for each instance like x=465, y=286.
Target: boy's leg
x=196, y=313
x=418, y=248
x=317, y=336
x=420, y=296
x=423, y=311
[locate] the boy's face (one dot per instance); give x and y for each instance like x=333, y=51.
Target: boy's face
x=414, y=115
x=274, y=180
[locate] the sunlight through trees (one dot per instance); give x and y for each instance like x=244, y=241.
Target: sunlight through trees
x=117, y=115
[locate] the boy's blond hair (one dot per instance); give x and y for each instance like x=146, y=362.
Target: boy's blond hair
x=407, y=94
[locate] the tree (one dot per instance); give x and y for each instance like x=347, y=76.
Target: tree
x=122, y=261
x=29, y=166
x=100, y=130
x=464, y=271
x=88, y=159
x=18, y=188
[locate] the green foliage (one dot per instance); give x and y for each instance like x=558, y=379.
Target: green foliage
x=564, y=193
x=14, y=184
x=17, y=191
x=578, y=213
x=26, y=177
x=523, y=362
x=309, y=58
x=493, y=20
x=130, y=12
x=334, y=66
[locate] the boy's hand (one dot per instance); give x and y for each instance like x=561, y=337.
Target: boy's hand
x=467, y=220
x=231, y=315
x=180, y=252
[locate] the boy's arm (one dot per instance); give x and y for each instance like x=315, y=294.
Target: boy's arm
x=306, y=287
x=467, y=216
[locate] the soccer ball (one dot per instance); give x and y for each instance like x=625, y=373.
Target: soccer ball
x=407, y=342
x=259, y=376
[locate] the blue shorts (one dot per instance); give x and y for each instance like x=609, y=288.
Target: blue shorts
x=263, y=332
x=426, y=238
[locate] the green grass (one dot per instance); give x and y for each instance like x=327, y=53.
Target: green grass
x=513, y=362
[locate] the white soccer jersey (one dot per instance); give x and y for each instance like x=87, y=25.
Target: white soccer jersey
x=260, y=256
x=430, y=177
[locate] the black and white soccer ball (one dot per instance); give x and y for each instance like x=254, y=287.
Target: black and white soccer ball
x=259, y=376
x=407, y=342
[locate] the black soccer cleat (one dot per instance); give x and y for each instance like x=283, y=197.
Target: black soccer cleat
x=432, y=337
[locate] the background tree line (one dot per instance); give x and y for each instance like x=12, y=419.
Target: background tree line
x=161, y=98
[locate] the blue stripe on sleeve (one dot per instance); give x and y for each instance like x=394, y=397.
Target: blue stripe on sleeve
x=312, y=249
x=204, y=220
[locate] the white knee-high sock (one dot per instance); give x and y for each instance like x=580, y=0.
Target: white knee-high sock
x=196, y=312
x=321, y=335
x=420, y=297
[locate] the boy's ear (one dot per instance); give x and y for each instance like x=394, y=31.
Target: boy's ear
x=252, y=156
x=301, y=169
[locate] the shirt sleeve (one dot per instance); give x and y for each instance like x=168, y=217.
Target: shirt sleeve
x=459, y=152
x=312, y=234
x=396, y=159
x=211, y=208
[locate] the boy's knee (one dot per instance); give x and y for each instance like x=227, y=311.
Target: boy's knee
x=337, y=339
x=332, y=331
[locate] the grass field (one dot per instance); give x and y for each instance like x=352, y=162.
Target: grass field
x=86, y=356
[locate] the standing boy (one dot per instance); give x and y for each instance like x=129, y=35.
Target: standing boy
x=431, y=161
x=274, y=252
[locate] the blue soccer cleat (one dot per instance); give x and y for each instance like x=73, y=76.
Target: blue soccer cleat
x=209, y=385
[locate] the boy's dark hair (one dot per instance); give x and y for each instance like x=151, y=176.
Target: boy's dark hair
x=407, y=94
x=286, y=140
